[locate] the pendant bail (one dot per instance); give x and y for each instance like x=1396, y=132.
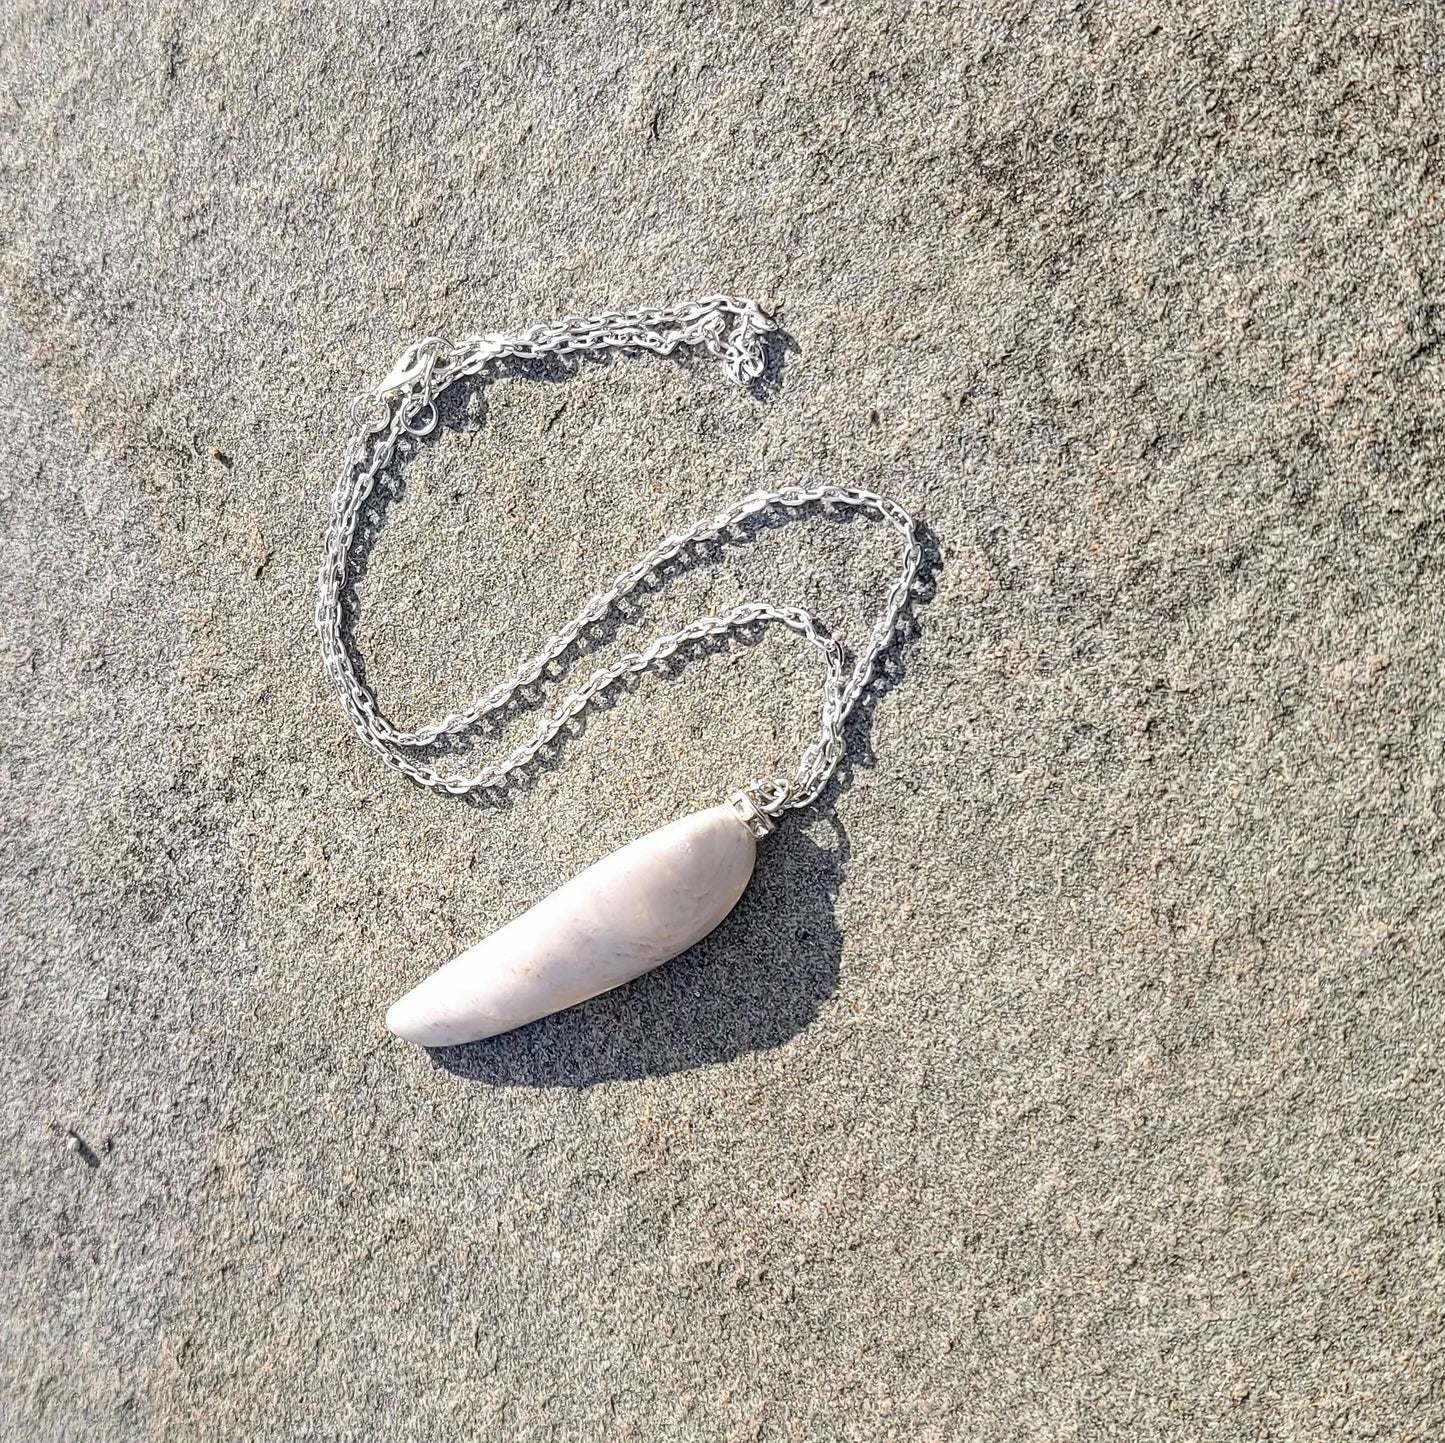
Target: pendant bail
x=752, y=816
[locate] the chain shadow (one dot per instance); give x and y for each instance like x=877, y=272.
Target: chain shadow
x=758, y=979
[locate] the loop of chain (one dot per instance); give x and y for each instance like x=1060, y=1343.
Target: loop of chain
x=404, y=404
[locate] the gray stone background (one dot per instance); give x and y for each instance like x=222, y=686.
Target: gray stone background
x=1072, y=1071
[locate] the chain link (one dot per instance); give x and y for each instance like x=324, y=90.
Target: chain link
x=404, y=404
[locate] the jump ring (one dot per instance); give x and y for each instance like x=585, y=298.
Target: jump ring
x=411, y=427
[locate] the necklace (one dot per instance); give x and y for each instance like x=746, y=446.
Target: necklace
x=659, y=895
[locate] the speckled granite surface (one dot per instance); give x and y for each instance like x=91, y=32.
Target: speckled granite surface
x=1073, y=1070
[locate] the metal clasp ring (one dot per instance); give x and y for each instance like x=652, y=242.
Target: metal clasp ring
x=413, y=429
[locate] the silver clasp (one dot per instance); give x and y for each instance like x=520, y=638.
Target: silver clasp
x=414, y=365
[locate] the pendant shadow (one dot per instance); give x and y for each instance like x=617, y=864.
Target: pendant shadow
x=757, y=980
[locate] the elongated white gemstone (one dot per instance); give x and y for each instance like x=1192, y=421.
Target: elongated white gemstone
x=621, y=917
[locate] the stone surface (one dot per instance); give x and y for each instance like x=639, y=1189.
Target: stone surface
x=635, y=909
x=1074, y=1071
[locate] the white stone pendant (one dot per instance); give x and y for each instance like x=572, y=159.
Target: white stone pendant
x=620, y=918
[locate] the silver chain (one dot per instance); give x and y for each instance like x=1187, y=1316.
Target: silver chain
x=404, y=405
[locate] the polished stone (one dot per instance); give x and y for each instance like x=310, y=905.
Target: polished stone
x=626, y=914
